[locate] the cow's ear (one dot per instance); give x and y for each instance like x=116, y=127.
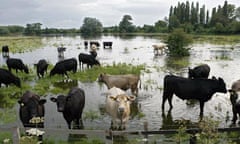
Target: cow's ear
x=21, y=103
x=53, y=99
x=42, y=101
x=220, y=79
x=214, y=78
x=131, y=98
x=113, y=98
x=68, y=98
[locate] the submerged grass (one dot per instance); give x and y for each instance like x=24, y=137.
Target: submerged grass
x=58, y=83
x=22, y=43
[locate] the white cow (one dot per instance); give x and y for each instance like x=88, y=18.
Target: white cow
x=118, y=107
x=157, y=48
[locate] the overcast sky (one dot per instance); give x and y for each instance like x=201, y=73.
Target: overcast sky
x=70, y=13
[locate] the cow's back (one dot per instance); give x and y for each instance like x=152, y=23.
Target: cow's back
x=7, y=77
x=76, y=102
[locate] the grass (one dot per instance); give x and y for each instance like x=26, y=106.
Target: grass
x=22, y=43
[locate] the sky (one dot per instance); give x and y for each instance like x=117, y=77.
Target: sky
x=71, y=13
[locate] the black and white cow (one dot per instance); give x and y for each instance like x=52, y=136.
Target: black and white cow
x=5, y=51
x=87, y=59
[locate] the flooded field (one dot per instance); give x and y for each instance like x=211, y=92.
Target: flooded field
x=223, y=59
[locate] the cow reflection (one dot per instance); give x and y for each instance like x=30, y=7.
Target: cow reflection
x=169, y=123
x=72, y=138
x=66, y=84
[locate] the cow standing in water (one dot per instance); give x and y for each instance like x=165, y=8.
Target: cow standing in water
x=63, y=66
x=199, y=89
x=201, y=71
x=5, y=51
x=42, y=66
x=118, y=107
x=71, y=106
x=31, y=106
x=124, y=82
x=235, y=101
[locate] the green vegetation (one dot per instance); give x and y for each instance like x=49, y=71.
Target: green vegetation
x=177, y=42
x=59, y=84
x=91, y=26
x=21, y=44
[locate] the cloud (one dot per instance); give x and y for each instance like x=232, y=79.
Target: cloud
x=70, y=13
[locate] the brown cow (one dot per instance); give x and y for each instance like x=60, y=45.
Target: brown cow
x=118, y=107
x=124, y=82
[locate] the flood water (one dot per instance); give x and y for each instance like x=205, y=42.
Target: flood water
x=223, y=60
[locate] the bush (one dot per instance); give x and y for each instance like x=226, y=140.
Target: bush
x=177, y=42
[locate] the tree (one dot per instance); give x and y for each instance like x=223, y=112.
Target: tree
x=125, y=25
x=237, y=13
x=33, y=29
x=91, y=26
x=160, y=26
x=177, y=43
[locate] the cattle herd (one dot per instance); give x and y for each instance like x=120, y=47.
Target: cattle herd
x=196, y=86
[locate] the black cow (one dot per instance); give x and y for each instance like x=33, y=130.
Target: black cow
x=86, y=44
x=87, y=59
x=94, y=43
x=235, y=100
x=42, y=66
x=107, y=44
x=199, y=89
x=16, y=64
x=31, y=106
x=5, y=51
x=6, y=77
x=201, y=71
x=63, y=66
x=71, y=106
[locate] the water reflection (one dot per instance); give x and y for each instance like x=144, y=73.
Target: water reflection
x=169, y=123
x=72, y=138
x=177, y=64
x=66, y=84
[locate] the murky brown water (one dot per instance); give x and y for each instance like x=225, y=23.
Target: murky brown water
x=224, y=61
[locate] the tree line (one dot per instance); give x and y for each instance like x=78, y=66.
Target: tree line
x=192, y=18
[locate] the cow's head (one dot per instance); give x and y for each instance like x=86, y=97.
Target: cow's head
x=53, y=71
x=123, y=103
x=234, y=97
x=61, y=100
x=26, y=69
x=31, y=106
x=101, y=77
x=17, y=82
x=222, y=85
x=190, y=72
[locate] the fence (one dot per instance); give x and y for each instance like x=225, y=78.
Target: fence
x=110, y=134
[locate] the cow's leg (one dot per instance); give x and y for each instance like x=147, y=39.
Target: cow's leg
x=170, y=101
x=201, y=109
x=234, y=115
